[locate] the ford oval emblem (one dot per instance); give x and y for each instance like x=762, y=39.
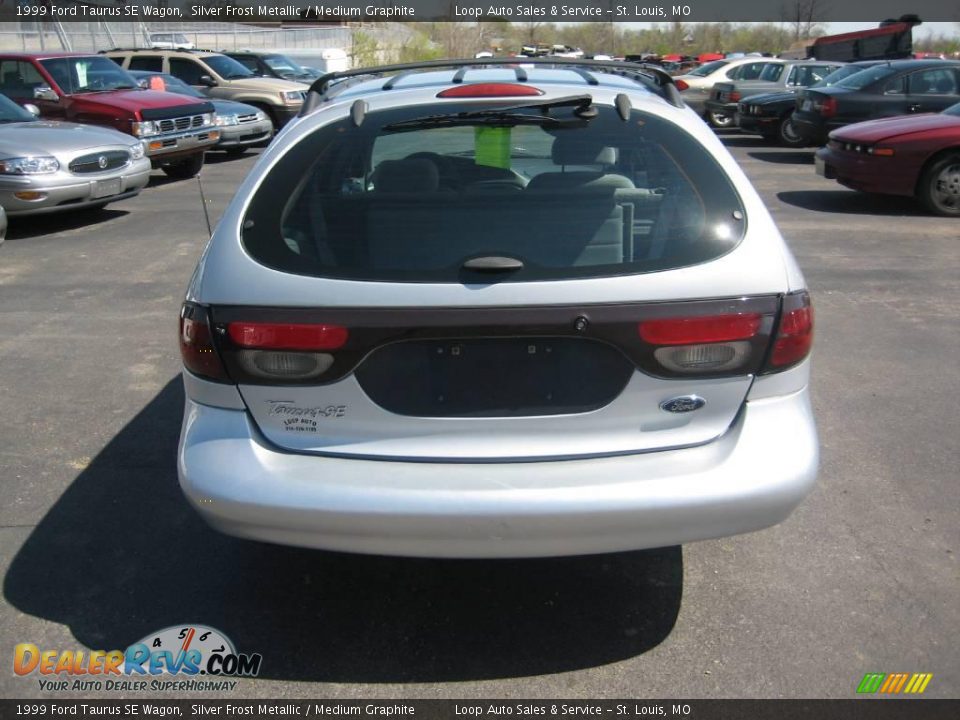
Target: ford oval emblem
x=102, y=161
x=683, y=404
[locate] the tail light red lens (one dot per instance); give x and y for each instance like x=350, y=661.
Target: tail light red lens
x=735, y=96
x=794, y=336
x=828, y=107
x=704, y=344
x=681, y=85
x=287, y=336
x=693, y=330
x=199, y=354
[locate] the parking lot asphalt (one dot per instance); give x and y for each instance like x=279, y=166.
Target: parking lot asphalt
x=99, y=549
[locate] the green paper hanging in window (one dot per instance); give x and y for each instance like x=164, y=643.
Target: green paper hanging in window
x=492, y=147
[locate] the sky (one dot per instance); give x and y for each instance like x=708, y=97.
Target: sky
x=834, y=28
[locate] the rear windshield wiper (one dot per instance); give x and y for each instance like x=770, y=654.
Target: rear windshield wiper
x=508, y=115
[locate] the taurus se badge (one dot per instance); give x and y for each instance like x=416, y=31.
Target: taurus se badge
x=683, y=404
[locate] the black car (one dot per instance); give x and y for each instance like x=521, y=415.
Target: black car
x=898, y=87
x=271, y=64
x=771, y=114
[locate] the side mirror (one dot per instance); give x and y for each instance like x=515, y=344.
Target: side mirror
x=32, y=109
x=207, y=81
x=43, y=92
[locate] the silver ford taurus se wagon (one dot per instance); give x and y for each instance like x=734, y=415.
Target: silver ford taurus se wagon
x=469, y=309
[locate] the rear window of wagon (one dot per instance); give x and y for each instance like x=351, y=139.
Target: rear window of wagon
x=604, y=198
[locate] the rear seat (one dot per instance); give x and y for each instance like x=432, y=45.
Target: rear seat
x=546, y=229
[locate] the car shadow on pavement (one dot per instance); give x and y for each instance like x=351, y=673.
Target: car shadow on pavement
x=747, y=141
x=121, y=555
x=31, y=226
x=784, y=157
x=851, y=202
x=215, y=158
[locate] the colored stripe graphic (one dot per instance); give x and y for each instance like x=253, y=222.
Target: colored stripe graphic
x=918, y=683
x=871, y=682
x=895, y=683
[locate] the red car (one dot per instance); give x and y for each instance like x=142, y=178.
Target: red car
x=94, y=90
x=916, y=155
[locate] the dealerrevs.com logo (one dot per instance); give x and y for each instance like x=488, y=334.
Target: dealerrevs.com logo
x=171, y=659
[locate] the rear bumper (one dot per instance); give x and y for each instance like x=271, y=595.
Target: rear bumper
x=749, y=479
x=813, y=132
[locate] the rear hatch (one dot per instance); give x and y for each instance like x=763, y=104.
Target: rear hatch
x=529, y=382
x=516, y=198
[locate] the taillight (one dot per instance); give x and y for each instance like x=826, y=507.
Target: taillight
x=475, y=90
x=794, y=336
x=287, y=336
x=735, y=96
x=705, y=344
x=196, y=344
x=681, y=85
x=714, y=328
x=827, y=107
x=285, y=351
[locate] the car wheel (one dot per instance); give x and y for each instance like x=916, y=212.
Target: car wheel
x=787, y=134
x=939, y=187
x=719, y=121
x=185, y=168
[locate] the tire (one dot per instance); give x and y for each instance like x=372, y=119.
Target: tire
x=939, y=186
x=786, y=135
x=185, y=169
x=721, y=122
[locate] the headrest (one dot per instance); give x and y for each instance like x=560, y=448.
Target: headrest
x=575, y=149
x=406, y=176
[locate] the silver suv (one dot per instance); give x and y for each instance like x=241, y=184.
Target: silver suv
x=470, y=309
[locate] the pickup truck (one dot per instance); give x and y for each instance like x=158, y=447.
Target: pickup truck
x=90, y=89
x=775, y=76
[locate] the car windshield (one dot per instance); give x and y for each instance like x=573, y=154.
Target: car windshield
x=227, y=67
x=10, y=112
x=167, y=83
x=89, y=74
x=860, y=80
x=837, y=75
x=413, y=194
x=282, y=64
x=708, y=68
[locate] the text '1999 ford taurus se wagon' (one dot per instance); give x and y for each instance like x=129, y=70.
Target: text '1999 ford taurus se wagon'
x=470, y=309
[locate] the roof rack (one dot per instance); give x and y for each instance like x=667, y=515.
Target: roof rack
x=651, y=77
